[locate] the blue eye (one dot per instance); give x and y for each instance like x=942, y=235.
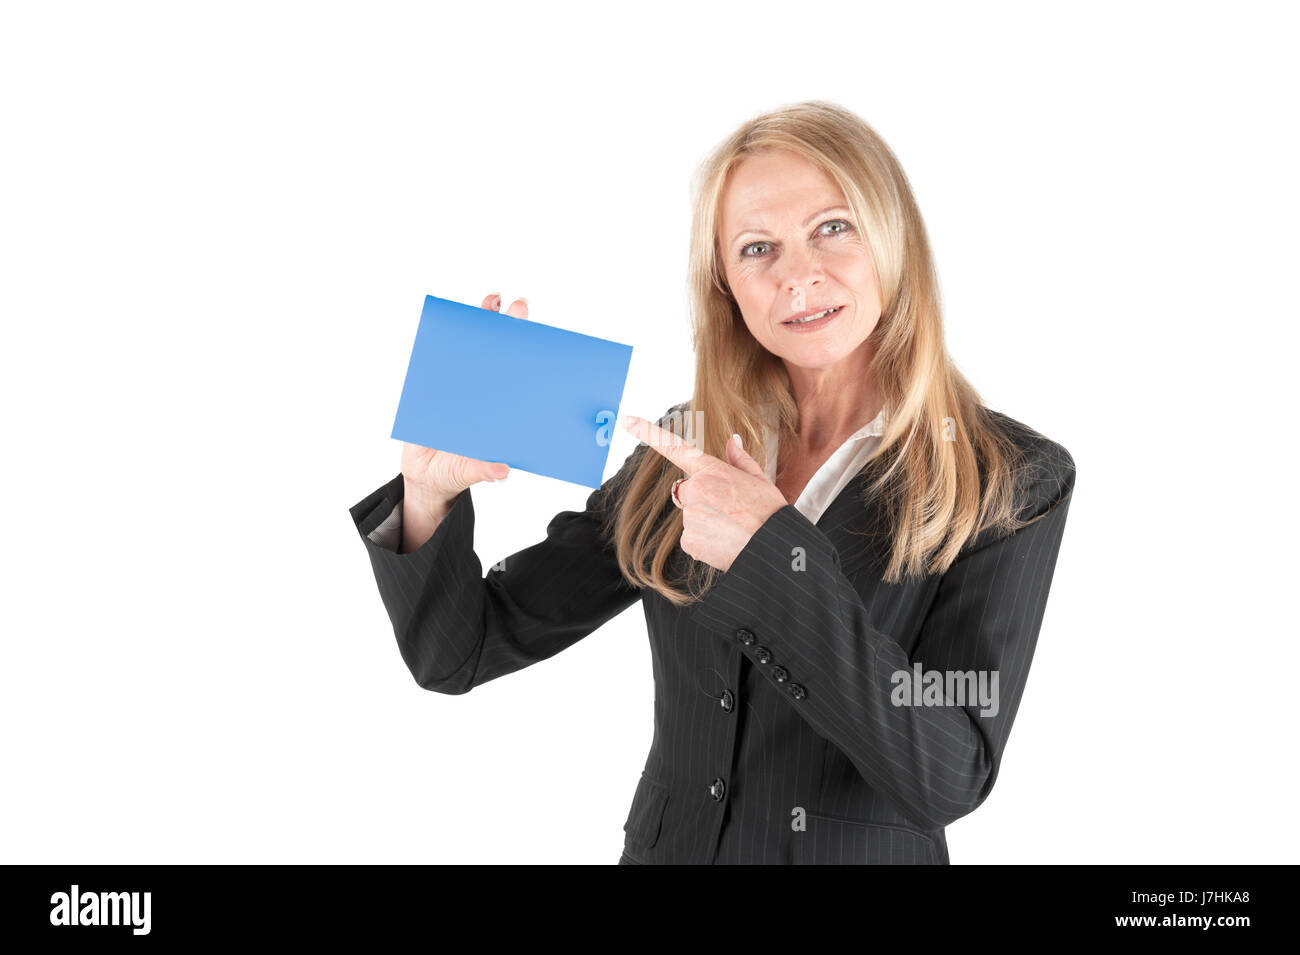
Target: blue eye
x=847, y=227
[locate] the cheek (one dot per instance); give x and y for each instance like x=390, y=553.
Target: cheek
x=855, y=270
x=744, y=279
x=751, y=293
x=853, y=258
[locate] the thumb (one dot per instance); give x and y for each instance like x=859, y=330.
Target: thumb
x=739, y=458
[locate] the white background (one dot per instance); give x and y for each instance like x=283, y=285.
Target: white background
x=219, y=223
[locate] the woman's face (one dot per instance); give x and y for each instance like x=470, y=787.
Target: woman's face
x=790, y=246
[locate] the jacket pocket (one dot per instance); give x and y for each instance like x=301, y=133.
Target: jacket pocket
x=831, y=840
x=647, y=813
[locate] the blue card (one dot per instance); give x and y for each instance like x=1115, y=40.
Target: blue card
x=499, y=388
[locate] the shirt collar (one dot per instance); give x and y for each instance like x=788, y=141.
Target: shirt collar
x=876, y=428
x=873, y=429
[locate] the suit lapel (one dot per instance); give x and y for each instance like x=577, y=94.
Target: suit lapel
x=857, y=530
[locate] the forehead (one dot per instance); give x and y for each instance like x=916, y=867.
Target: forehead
x=765, y=188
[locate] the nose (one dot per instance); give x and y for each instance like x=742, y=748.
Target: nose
x=803, y=272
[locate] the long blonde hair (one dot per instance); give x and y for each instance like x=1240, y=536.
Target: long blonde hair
x=939, y=439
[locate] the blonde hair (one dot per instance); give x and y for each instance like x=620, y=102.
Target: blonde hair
x=939, y=439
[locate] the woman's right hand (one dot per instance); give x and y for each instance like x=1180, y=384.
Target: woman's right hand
x=435, y=477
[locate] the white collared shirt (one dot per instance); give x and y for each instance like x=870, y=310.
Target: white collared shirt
x=838, y=470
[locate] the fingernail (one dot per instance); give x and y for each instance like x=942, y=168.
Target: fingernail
x=628, y=420
x=737, y=437
x=524, y=300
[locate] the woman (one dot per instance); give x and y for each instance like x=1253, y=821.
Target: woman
x=841, y=633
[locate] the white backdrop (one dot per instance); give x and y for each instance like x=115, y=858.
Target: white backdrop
x=219, y=223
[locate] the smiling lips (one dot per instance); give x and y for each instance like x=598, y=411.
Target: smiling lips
x=813, y=318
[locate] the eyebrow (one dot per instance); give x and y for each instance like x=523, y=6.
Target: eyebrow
x=835, y=208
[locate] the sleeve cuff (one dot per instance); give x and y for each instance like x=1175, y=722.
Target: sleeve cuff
x=378, y=518
x=389, y=532
x=786, y=545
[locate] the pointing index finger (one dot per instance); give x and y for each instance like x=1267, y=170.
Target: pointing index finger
x=686, y=456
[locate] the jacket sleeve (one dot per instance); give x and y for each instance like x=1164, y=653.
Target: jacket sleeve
x=457, y=628
x=811, y=636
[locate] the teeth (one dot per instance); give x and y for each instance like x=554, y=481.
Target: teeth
x=812, y=318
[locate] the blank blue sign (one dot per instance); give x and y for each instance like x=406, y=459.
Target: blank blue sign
x=499, y=388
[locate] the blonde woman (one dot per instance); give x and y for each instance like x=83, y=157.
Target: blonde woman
x=842, y=555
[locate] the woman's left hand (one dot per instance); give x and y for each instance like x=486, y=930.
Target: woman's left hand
x=723, y=502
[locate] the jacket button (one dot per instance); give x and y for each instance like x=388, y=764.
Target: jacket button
x=797, y=691
x=745, y=636
x=717, y=789
x=728, y=700
x=780, y=674
x=762, y=654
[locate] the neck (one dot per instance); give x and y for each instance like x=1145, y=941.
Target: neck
x=834, y=401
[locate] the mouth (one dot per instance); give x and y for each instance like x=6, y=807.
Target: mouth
x=811, y=320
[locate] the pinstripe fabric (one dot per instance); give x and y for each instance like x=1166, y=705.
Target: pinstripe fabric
x=776, y=740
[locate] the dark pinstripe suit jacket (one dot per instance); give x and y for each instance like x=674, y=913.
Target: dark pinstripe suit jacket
x=777, y=738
